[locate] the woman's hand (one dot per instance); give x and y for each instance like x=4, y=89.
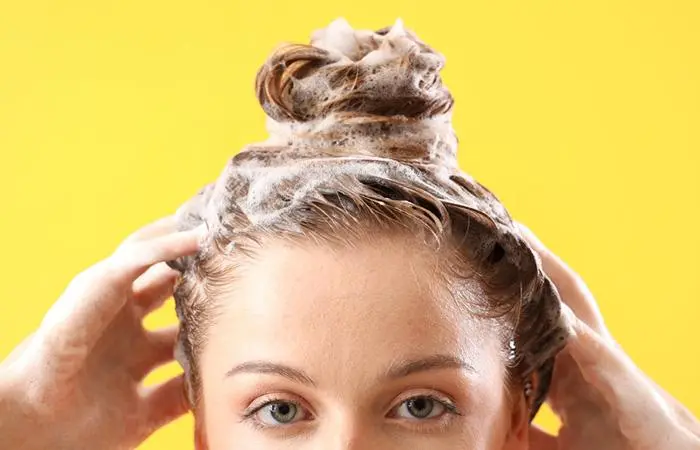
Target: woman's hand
x=603, y=400
x=76, y=383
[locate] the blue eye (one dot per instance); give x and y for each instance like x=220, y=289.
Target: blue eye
x=280, y=413
x=420, y=408
x=424, y=407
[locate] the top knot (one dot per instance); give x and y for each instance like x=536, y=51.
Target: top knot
x=376, y=93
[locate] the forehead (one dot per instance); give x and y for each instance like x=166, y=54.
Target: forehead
x=321, y=307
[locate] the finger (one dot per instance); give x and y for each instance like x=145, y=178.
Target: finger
x=165, y=402
x=600, y=363
x=75, y=323
x=160, y=227
x=95, y=296
x=153, y=288
x=162, y=344
x=683, y=414
x=541, y=440
x=627, y=391
x=569, y=284
x=131, y=261
x=158, y=349
x=578, y=297
x=77, y=320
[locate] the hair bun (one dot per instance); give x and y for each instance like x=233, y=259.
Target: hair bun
x=376, y=93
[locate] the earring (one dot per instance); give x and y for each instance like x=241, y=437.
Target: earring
x=528, y=389
x=512, y=353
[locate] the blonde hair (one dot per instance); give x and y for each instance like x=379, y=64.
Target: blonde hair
x=362, y=143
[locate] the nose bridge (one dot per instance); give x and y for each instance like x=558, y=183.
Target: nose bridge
x=348, y=431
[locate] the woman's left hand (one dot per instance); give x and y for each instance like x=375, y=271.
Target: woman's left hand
x=602, y=398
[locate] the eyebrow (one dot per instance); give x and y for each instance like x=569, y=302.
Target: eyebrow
x=397, y=370
x=435, y=362
x=266, y=367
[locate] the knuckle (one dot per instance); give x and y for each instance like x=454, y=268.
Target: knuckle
x=128, y=255
x=124, y=249
x=77, y=282
x=82, y=282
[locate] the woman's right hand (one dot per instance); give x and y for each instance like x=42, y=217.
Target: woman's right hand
x=77, y=382
x=605, y=402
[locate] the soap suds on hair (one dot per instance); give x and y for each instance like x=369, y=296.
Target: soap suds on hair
x=361, y=116
x=360, y=92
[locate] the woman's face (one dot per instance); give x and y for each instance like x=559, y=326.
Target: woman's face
x=357, y=348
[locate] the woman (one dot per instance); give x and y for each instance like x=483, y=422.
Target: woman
x=351, y=289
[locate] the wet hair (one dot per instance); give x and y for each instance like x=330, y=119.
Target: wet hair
x=361, y=143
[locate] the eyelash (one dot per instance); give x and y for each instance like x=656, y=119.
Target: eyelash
x=432, y=425
x=252, y=411
x=450, y=409
x=449, y=405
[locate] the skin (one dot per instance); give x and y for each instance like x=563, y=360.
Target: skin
x=603, y=399
x=92, y=341
x=78, y=381
x=347, y=337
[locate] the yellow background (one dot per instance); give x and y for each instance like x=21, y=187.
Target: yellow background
x=582, y=116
